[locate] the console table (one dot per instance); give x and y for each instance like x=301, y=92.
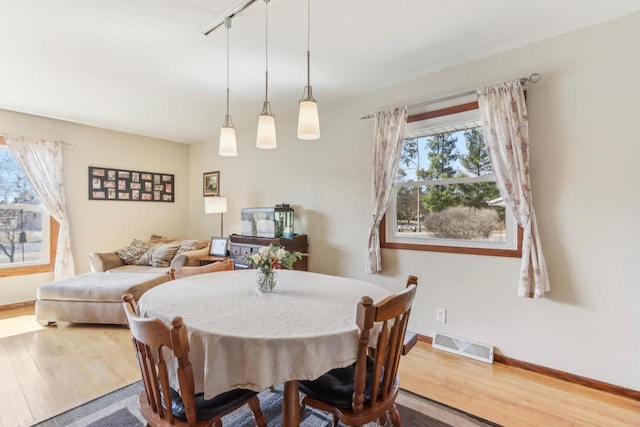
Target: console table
x=241, y=246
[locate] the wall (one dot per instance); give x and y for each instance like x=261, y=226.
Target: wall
x=584, y=149
x=103, y=225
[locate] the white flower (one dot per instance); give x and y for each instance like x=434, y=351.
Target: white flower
x=281, y=254
x=256, y=257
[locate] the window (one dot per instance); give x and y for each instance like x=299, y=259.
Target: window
x=28, y=235
x=445, y=195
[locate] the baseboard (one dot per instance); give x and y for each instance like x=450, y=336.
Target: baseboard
x=25, y=304
x=555, y=373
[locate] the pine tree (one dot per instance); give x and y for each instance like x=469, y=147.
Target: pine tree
x=408, y=203
x=441, y=154
x=477, y=163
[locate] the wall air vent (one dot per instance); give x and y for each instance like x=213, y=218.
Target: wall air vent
x=463, y=347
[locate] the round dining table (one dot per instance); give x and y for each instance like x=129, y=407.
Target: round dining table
x=240, y=337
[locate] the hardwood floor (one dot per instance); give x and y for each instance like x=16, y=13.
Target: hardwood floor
x=45, y=371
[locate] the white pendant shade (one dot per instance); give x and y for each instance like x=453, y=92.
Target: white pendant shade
x=308, y=121
x=228, y=146
x=266, y=137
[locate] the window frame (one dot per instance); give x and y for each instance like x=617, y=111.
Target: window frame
x=54, y=231
x=469, y=250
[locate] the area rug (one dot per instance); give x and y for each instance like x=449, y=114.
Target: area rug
x=120, y=409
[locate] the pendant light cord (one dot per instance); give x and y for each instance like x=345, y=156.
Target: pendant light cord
x=308, y=42
x=228, y=25
x=266, y=52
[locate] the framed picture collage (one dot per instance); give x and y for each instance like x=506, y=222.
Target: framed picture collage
x=128, y=185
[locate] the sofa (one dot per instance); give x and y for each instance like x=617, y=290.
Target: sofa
x=96, y=297
x=158, y=254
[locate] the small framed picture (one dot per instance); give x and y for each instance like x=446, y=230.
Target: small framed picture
x=218, y=246
x=211, y=184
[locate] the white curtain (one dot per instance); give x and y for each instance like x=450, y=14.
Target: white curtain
x=388, y=137
x=42, y=163
x=506, y=130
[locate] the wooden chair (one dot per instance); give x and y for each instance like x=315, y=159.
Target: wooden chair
x=225, y=265
x=159, y=403
x=366, y=391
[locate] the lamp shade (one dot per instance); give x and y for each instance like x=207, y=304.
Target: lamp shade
x=308, y=121
x=215, y=205
x=228, y=146
x=266, y=137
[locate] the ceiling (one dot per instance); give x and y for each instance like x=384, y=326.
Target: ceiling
x=145, y=67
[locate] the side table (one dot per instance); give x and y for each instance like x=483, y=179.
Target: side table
x=210, y=259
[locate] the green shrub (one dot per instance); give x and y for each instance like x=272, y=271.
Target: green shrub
x=461, y=222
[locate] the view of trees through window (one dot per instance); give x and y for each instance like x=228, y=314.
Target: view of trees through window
x=446, y=189
x=21, y=216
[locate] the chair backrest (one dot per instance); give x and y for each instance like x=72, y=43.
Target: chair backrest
x=224, y=265
x=391, y=315
x=150, y=336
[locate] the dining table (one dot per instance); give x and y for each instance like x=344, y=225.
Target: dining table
x=240, y=337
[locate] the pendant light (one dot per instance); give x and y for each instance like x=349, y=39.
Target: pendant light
x=228, y=146
x=308, y=121
x=266, y=137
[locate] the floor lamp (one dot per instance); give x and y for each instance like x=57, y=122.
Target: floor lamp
x=216, y=205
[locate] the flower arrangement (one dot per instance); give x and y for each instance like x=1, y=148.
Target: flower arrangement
x=271, y=257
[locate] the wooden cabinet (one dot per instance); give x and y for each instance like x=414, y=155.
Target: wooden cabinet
x=240, y=246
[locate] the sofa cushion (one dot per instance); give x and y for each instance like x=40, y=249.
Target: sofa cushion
x=140, y=269
x=163, y=254
x=103, y=287
x=133, y=252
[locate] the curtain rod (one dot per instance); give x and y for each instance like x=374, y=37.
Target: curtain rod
x=533, y=78
x=67, y=144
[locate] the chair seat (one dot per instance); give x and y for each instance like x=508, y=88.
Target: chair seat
x=335, y=387
x=209, y=408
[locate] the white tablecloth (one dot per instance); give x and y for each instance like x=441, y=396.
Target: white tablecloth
x=241, y=338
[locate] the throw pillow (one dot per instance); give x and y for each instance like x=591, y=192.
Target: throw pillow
x=163, y=254
x=156, y=238
x=145, y=259
x=188, y=245
x=133, y=252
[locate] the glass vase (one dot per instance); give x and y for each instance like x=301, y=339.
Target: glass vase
x=266, y=280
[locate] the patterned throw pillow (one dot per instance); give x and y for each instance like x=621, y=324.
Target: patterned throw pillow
x=163, y=254
x=145, y=259
x=133, y=252
x=188, y=245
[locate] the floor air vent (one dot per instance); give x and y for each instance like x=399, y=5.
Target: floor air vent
x=463, y=347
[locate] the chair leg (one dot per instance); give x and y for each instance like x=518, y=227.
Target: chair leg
x=258, y=417
x=394, y=416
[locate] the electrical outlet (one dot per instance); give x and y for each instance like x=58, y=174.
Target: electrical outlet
x=441, y=315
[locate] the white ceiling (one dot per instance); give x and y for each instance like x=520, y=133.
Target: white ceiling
x=144, y=66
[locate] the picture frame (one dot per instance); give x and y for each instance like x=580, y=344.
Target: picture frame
x=211, y=183
x=218, y=246
x=114, y=184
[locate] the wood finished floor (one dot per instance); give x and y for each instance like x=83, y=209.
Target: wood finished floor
x=45, y=371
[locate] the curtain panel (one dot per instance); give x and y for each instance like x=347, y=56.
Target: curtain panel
x=388, y=138
x=41, y=161
x=506, y=129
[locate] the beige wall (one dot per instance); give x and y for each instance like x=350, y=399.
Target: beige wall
x=103, y=225
x=584, y=131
